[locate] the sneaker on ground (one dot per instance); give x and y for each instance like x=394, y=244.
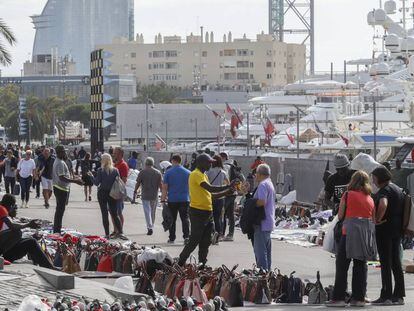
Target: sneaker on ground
x=27, y=205
x=150, y=232
x=170, y=241
x=335, y=304
x=228, y=238
x=121, y=236
x=398, y=301
x=113, y=234
x=356, y=303
x=382, y=302
x=46, y=205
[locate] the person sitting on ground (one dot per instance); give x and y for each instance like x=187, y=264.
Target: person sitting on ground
x=358, y=212
x=12, y=245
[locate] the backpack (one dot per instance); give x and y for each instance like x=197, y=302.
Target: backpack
x=295, y=289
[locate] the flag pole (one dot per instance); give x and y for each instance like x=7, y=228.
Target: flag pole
x=248, y=134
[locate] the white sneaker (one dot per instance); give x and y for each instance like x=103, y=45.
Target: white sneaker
x=27, y=204
x=23, y=204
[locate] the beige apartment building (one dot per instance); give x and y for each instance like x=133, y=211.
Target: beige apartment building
x=201, y=62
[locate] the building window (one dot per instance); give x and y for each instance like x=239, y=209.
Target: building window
x=242, y=64
x=229, y=52
x=243, y=76
x=157, y=54
x=204, y=54
x=171, y=65
x=230, y=76
x=268, y=64
x=133, y=55
x=242, y=52
x=171, y=53
x=251, y=77
x=133, y=67
x=251, y=65
x=269, y=76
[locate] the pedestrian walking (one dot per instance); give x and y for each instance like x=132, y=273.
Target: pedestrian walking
x=150, y=181
x=357, y=211
x=104, y=180
x=122, y=167
x=176, y=194
x=10, y=167
x=229, y=201
x=26, y=169
x=36, y=176
x=389, y=214
x=61, y=186
x=133, y=161
x=201, y=209
x=218, y=177
x=86, y=168
x=266, y=198
x=45, y=171
x=80, y=156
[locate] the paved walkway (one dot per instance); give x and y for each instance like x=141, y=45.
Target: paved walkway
x=86, y=218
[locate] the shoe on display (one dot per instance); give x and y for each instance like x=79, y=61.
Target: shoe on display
x=335, y=304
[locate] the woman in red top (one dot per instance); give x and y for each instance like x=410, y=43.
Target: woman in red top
x=355, y=203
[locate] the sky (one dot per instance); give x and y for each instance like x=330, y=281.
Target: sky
x=341, y=29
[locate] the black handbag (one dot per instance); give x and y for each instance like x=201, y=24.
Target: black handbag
x=339, y=224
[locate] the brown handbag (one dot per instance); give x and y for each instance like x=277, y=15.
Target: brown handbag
x=69, y=262
x=210, y=286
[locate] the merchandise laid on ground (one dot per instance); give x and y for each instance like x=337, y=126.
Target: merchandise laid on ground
x=161, y=283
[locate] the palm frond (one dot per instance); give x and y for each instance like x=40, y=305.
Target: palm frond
x=5, y=57
x=7, y=33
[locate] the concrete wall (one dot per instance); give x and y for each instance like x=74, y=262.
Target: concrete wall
x=307, y=173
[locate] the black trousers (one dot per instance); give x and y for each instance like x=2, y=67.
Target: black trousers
x=359, y=275
x=28, y=247
x=36, y=185
x=217, y=213
x=25, y=184
x=229, y=214
x=9, y=183
x=107, y=203
x=61, y=201
x=182, y=209
x=389, y=254
x=201, y=231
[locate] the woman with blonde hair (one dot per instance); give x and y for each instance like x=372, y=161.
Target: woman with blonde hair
x=104, y=179
x=357, y=242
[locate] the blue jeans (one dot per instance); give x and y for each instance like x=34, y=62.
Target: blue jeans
x=262, y=248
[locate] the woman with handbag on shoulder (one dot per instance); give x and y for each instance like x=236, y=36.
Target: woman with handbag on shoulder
x=357, y=241
x=104, y=180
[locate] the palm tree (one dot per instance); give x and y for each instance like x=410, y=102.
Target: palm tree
x=7, y=34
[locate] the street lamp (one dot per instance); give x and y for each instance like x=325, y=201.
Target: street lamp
x=149, y=101
x=196, y=131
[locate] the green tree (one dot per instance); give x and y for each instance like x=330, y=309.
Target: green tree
x=7, y=35
x=78, y=112
x=158, y=93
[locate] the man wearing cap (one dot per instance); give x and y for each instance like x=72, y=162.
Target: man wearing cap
x=201, y=209
x=337, y=183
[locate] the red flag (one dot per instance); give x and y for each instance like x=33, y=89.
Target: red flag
x=228, y=109
x=346, y=140
x=291, y=138
x=269, y=130
x=239, y=116
x=234, y=125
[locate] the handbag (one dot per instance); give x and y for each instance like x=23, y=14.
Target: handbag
x=16, y=189
x=118, y=189
x=315, y=292
x=262, y=292
x=339, y=224
x=69, y=263
x=105, y=264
